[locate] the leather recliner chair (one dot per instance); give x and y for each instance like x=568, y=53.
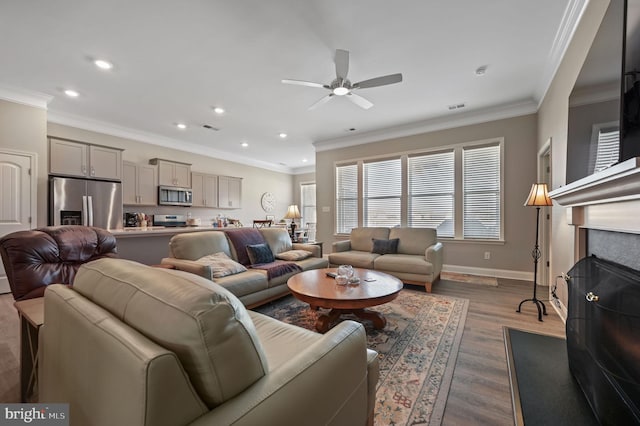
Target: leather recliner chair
x=35, y=258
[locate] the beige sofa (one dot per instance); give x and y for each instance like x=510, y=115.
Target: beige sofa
x=418, y=259
x=252, y=287
x=132, y=345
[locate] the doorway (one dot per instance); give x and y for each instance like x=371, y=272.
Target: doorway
x=17, y=197
x=544, y=176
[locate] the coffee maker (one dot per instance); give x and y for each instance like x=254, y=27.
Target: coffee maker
x=131, y=219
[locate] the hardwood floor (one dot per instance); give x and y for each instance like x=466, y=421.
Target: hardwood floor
x=479, y=393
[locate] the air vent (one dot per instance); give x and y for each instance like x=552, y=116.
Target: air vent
x=456, y=106
x=206, y=126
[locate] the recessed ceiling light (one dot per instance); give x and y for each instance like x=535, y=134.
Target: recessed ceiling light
x=283, y=135
x=218, y=110
x=304, y=160
x=181, y=126
x=244, y=144
x=102, y=64
x=481, y=70
x=71, y=93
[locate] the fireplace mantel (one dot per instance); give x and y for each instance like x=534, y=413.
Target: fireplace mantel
x=617, y=183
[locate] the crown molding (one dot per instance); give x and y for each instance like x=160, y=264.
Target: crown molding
x=154, y=139
x=303, y=170
x=24, y=97
x=439, y=123
x=594, y=94
x=568, y=25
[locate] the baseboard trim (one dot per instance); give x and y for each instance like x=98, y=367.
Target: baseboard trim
x=488, y=272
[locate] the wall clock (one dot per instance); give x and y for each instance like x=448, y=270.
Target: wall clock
x=268, y=201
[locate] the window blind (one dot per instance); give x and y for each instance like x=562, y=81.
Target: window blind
x=481, y=189
x=382, y=193
x=346, y=198
x=608, y=148
x=431, y=192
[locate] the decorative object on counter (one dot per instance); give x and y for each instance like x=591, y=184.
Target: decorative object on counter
x=235, y=223
x=538, y=197
x=293, y=213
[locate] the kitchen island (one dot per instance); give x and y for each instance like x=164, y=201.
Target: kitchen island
x=150, y=244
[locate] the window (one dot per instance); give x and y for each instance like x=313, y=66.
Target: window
x=481, y=186
x=382, y=193
x=431, y=192
x=346, y=198
x=308, y=203
x=608, y=148
x=456, y=190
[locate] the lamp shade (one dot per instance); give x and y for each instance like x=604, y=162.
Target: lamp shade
x=538, y=196
x=293, y=212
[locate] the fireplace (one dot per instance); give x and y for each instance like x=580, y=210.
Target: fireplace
x=603, y=335
x=603, y=326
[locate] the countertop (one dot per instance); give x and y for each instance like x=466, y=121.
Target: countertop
x=159, y=230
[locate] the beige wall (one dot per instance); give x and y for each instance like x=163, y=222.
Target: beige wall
x=552, y=123
x=24, y=128
x=255, y=181
x=512, y=258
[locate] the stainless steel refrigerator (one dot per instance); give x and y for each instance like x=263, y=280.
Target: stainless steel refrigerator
x=85, y=202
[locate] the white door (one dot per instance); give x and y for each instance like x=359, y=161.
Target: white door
x=15, y=198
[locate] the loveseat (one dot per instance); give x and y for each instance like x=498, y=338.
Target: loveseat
x=412, y=255
x=253, y=281
x=132, y=345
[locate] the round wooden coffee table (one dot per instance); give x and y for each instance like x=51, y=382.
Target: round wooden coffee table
x=321, y=291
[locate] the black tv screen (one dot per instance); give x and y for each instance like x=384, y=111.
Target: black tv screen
x=604, y=105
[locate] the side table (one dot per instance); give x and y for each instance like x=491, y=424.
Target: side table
x=31, y=312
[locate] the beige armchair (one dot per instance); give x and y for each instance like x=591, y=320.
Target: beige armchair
x=135, y=345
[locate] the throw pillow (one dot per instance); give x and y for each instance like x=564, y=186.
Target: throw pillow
x=385, y=246
x=259, y=254
x=221, y=265
x=293, y=255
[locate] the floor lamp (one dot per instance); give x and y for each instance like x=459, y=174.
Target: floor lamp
x=538, y=197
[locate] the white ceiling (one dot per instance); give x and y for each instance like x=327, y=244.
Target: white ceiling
x=175, y=60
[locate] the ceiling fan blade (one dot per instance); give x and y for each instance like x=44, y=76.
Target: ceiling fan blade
x=322, y=101
x=306, y=83
x=378, y=81
x=359, y=100
x=342, y=63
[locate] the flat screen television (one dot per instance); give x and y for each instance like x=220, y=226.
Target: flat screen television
x=604, y=105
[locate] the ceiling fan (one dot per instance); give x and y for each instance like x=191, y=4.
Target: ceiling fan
x=341, y=86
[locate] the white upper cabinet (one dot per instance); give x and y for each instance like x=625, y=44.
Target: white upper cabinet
x=205, y=190
x=229, y=192
x=139, y=184
x=171, y=173
x=70, y=158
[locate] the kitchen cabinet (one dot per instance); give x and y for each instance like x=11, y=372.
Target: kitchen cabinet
x=139, y=184
x=171, y=173
x=71, y=158
x=229, y=192
x=205, y=190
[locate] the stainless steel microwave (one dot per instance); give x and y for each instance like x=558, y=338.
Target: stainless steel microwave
x=173, y=196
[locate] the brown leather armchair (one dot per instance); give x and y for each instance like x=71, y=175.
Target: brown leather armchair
x=51, y=255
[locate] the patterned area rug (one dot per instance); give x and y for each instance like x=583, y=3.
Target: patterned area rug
x=418, y=350
x=466, y=278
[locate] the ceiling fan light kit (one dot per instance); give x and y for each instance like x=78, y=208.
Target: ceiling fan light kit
x=341, y=86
